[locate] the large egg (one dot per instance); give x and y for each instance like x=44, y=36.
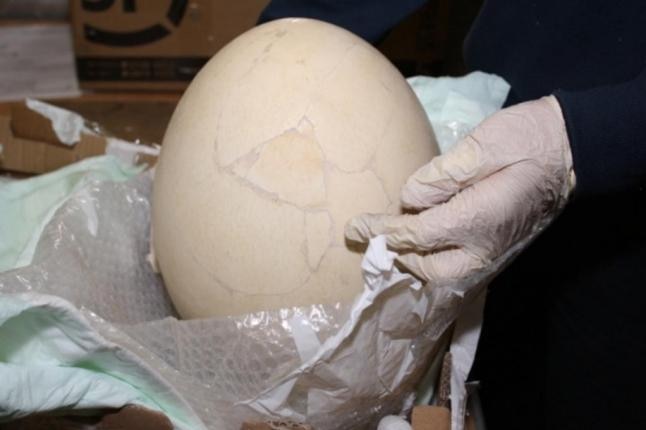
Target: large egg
x=290, y=130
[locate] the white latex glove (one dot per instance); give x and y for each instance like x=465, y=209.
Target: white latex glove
x=484, y=199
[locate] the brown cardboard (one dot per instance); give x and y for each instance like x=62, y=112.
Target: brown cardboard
x=436, y=418
x=141, y=117
x=30, y=146
x=274, y=425
x=135, y=418
x=153, y=44
x=431, y=418
x=444, y=385
x=470, y=423
x=128, y=418
x=34, y=157
x=29, y=124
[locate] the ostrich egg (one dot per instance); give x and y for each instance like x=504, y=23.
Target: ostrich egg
x=289, y=131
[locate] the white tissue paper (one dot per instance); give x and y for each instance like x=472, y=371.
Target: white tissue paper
x=456, y=105
x=338, y=366
x=67, y=125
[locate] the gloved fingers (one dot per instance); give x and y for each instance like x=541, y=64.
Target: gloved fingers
x=424, y=232
x=485, y=219
x=443, y=267
x=446, y=175
x=366, y=226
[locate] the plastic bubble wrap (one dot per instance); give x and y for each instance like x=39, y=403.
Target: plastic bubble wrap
x=252, y=367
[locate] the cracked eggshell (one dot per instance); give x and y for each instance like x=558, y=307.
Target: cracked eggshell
x=286, y=133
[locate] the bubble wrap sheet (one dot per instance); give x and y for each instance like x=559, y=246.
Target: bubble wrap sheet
x=333, y=366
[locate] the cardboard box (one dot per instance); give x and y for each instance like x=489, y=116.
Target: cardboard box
x=153, y=44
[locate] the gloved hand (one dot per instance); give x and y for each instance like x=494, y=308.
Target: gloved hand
x=482, y=200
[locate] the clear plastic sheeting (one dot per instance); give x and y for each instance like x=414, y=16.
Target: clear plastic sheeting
x=354, y=363
x=91, y=254
x=335, y=367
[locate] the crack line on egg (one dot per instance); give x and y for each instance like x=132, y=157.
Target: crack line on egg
x=344, y=56
x=229, y=288
x=306, y=241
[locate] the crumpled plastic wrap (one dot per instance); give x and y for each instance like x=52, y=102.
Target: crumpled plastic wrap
x=333, y=366
x=336, y=366
x=27, y=206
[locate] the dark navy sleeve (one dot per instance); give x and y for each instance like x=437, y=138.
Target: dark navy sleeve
x=607, y=131
x=369, y=19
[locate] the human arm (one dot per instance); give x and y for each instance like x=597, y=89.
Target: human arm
x=607, y=135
